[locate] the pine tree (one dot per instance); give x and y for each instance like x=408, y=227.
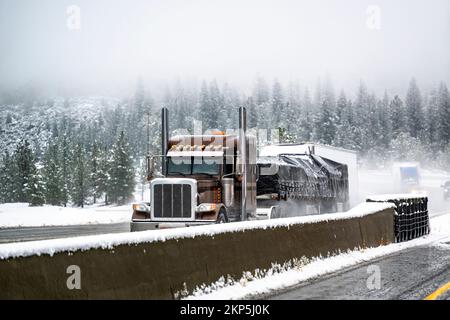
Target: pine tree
x=232, y=102
x=360, y=120
x=24, y=160
x=306, y=119
x=80, y=187
x=432, y=121
x=278, y=106
x=261, y=91
x=397, y=116
x=414, y=112
x=139, y=96
x=252, y=114
x=384, y=120
x=216, y=105
x=121, y=173
x=373, y=125
x=7, y=175
x=35, y=187
x=205, y=108
x=443, y=126
x=105, y=169
x=65, y=149
x=97, y=178
x=52, y=176
x=343, y=118
x=325, y=129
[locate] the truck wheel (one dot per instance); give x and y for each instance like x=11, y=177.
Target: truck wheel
x=222, y=217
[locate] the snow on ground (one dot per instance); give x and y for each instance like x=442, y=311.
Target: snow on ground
x=21, y=215
x=251, y=285
x=109, y=241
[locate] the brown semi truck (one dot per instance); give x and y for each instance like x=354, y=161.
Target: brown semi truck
x=217, y=178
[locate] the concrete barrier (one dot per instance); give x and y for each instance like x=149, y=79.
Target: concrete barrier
x=157, y=269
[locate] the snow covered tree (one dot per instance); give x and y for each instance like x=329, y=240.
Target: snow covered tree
x=443, y=125
x=261, y=92
x=324, y=129
x=360, y=118
x=384, y=120
x=24, y=160
x=414, y=112
x=407, y=148
x=252, y=113
x=80, y=185
x=216, y=106
x=304, y=132
x=97, y=175
x=7, y=175
x=52, y=176
x=35, y=188
x=139, y=96
x=204, y=112
x=121, y=172
x=232, y=102
x=397, y=116
x=432, y=121
x=65, y=154
x=278, y=106
x=344, y=133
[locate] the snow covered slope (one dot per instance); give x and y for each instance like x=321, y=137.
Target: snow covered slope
x=21, y=215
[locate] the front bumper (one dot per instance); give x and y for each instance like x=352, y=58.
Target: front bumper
x=142, y=225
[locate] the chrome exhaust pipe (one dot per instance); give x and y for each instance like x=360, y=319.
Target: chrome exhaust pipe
x=244, y=159
x=164, y=138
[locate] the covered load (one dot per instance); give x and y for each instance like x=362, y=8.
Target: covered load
x=303, y=176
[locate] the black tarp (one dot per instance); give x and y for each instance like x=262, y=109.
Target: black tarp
x=303, y=176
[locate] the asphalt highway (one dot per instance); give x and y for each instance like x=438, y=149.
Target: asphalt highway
x=414, y=274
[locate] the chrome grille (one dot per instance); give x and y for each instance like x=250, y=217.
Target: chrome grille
x=172, y=200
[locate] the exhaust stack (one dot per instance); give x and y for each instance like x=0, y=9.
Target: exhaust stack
x=244, y=159
x=164, y=138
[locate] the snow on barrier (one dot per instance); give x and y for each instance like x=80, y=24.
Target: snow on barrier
x=411, y=218
x=159, y=264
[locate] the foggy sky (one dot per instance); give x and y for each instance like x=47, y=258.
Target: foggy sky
x=229, y=40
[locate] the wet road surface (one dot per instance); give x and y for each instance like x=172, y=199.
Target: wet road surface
x=410, y=274
x=40, y=233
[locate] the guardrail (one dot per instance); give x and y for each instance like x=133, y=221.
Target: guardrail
x=158, y=264
x=411, y=219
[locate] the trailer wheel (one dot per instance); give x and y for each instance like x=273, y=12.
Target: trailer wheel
x=222, y=217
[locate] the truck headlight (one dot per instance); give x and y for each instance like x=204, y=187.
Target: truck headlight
x=204, y=207
x=141, y=207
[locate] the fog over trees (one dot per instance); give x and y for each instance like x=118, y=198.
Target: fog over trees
x=82, y=84
x=53, y=153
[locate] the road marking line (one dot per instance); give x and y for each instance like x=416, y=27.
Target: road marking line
x=438, y=292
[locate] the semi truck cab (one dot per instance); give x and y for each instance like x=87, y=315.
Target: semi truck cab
x=205, y=179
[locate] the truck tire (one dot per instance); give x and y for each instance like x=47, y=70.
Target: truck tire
x=222, y=217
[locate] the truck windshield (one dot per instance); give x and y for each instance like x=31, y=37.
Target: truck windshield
x=409, y=173
x=206, y=167
x=178, y=166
